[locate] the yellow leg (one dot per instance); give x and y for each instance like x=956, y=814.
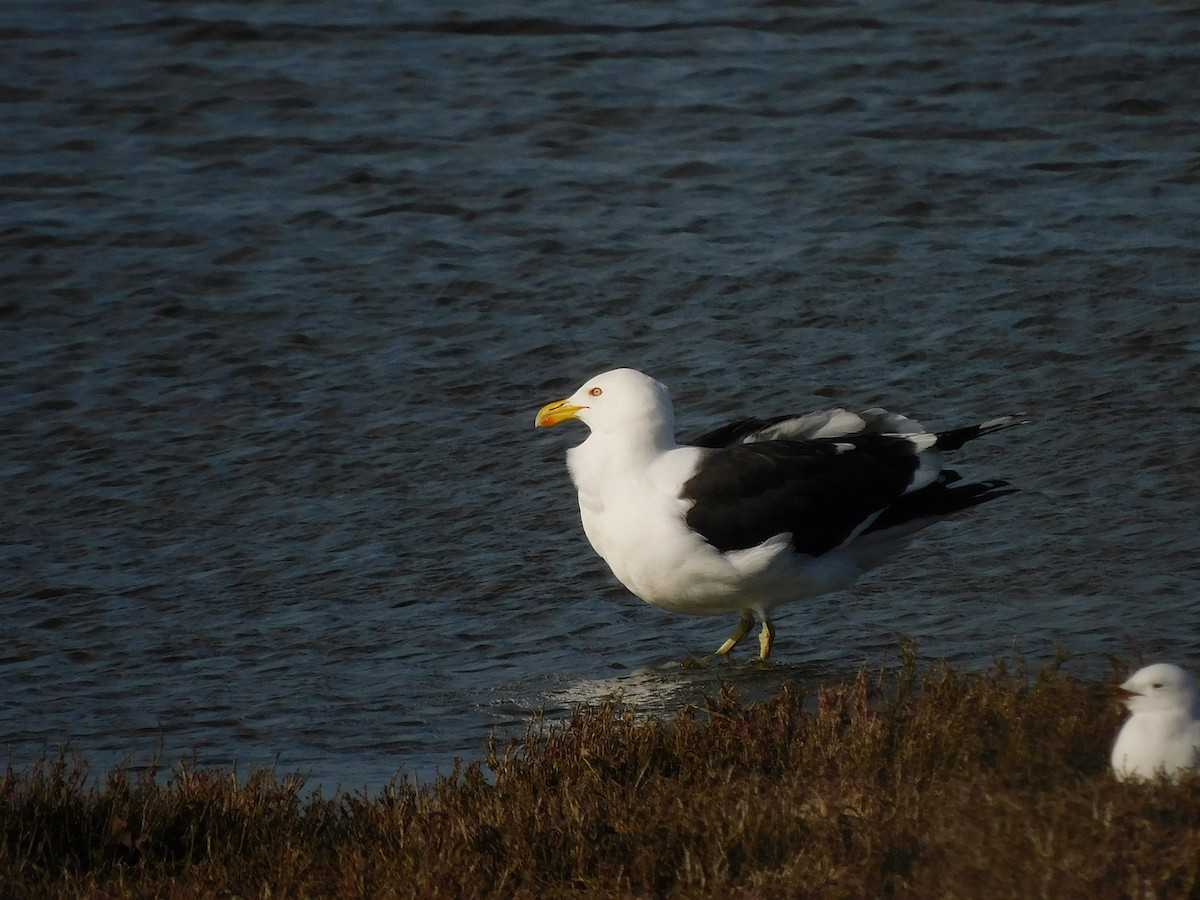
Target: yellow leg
x=766, y=638
x=743, y=629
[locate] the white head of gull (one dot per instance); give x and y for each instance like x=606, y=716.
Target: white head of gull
x=760, y=512
x=1161, y=737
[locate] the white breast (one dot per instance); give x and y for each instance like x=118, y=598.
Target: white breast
x=635, y=519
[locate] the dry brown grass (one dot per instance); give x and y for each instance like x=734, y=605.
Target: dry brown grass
x=908, y=784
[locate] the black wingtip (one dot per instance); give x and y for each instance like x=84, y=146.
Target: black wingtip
x=941, y=499
x=955, y=438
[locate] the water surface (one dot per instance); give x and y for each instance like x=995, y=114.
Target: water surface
x=282, y=284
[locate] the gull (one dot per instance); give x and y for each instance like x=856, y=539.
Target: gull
x=1162, y=734
x=760, y=512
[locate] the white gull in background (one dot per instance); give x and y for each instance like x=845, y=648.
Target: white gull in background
x=1162, y=734
x=760, y=512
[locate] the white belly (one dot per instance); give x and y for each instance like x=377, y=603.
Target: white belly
x=640, y=529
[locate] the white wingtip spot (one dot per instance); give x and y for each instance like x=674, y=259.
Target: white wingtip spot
x=1004, y=422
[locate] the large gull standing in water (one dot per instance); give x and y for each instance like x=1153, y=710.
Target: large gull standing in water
x=760, y=512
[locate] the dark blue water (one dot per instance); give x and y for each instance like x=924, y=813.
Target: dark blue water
x=282, y=284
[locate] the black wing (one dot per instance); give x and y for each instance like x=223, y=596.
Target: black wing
x=734, y=432
x=820, y=425
x=820, y=490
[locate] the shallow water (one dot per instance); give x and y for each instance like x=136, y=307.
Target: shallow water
x=282, y=285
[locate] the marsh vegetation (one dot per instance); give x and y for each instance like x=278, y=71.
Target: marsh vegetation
x=911, y=782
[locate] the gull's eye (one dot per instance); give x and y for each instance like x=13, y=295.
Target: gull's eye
x=595, y=392
x=1157, y=685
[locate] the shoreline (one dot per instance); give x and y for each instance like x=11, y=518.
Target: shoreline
x=908, y=782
